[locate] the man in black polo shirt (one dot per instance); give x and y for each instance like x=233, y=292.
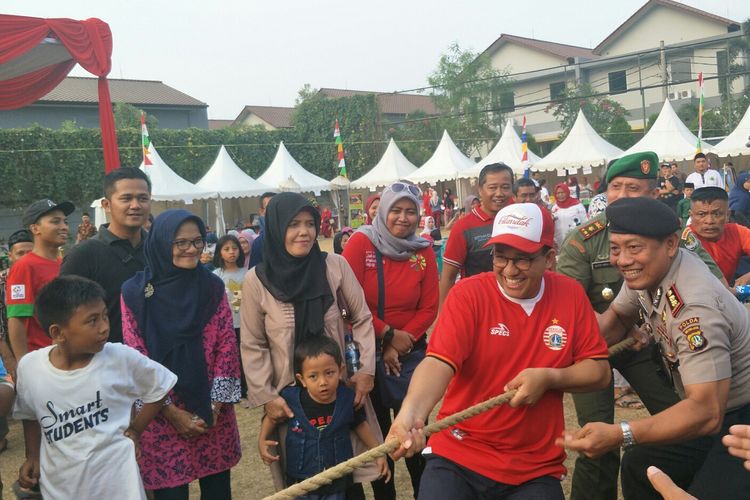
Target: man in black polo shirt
x=115, y=254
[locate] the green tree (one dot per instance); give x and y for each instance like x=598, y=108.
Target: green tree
x=127, y=115
x=361, y=131
x=470, y=93
x=602, y=113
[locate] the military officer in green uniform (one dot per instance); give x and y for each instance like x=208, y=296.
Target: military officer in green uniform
x=584, y=256
x=703, y=337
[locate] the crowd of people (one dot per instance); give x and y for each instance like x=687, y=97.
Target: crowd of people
x=127, y=358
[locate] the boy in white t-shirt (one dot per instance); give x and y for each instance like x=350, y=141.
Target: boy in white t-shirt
x=75, y=399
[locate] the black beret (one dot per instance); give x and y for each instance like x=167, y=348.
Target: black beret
x=709, y=193
x=20, y=236
x=642, y=216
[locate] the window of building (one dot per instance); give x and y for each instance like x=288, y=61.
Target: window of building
x=556, y=90
x=617, y=82
x=680, y=70
x=722, y=68
x=507, y=101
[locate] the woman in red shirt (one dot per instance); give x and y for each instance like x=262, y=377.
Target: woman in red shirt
x=410, y=281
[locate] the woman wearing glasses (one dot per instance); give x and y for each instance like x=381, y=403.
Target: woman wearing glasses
x=295, y=293
x=407, y=304
x=176, y=312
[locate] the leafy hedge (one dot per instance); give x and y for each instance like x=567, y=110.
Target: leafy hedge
x=68, y=164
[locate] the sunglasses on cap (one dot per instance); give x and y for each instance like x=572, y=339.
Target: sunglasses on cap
x=397, y=187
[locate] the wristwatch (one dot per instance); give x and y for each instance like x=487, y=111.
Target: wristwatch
x=628, y=440
x=388, y=335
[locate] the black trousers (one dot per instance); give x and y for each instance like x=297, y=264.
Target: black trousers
x=415, y=464
x=596, y=478
x=701, y=466
x=446, y=479
x=243, y=381
x=214, y=487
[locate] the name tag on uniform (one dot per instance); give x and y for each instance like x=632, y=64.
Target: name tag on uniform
x=601, y=264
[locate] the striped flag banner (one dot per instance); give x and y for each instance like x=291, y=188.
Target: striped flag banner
x=700, y=113
x=340, y=149
x=145, y=140
x=524, y=149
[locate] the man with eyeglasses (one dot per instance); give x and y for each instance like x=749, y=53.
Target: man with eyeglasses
x=726, y=242
x=519, y=327
x=584, y=256
x=465, y=252
x=703, y=334
x=115, y=253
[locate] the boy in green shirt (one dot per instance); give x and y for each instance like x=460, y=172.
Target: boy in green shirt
x=683, y=206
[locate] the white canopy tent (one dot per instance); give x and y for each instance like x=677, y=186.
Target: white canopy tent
x=445, y=164
x=284, y=168
x=392, y=166
x=228, y=181
x=736, y=143
x=508, y=150
x=583, y=147
x=669, y=138
x=166, y=185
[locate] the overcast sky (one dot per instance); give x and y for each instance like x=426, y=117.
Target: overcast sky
x=229, y=53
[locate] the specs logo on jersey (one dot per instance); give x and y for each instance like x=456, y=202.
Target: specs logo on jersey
x=555, y=337
x=500, y=330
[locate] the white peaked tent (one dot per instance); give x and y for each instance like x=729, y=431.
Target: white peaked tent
x=392, y=166
x=166, y=185
x=284, y=168
x=445, y=164
x=583, y=147
x=736, y=143
x=508, y=150
x=669, y=138
x=228, y=180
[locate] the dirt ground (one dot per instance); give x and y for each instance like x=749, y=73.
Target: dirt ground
x=250, y=478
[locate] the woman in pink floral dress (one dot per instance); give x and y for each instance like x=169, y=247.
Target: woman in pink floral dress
x=176, y=312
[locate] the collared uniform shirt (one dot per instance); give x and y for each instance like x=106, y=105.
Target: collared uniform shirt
x=584, y=256
x=703, y=331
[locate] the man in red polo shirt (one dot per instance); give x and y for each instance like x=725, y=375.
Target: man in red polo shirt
x=466, y=252
x=725, y=241
x=47, y=221
x=519, y=327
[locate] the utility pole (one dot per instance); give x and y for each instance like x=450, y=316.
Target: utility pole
x=643, y=95
x=664, y=75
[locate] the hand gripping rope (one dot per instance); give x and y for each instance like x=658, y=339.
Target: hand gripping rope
x=338, y=471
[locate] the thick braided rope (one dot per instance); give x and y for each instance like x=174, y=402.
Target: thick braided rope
x=347, y=467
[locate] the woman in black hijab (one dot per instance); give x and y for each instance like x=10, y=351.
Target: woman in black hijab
x=175, y=311
x=295, y=293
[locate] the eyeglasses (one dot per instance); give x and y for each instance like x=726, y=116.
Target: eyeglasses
x=522, y=263
x=184, y=245
x=397, y=187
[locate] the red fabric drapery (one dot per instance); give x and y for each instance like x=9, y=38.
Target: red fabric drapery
x=89, y=43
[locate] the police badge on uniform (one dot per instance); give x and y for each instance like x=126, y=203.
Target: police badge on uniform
x=691, y=328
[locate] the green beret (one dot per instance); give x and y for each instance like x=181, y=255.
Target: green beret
x=638, y=165
x=642, y=216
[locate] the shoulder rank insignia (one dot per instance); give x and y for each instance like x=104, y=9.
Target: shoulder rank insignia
x=590, y=230
x=689, y=240
x=674, y=300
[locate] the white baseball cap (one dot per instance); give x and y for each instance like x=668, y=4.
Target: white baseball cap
x=524, y=226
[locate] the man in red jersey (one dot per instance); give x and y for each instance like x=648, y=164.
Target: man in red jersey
x=725, y=241
x=466, y=250
x=518, y=327
x=48, y=223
